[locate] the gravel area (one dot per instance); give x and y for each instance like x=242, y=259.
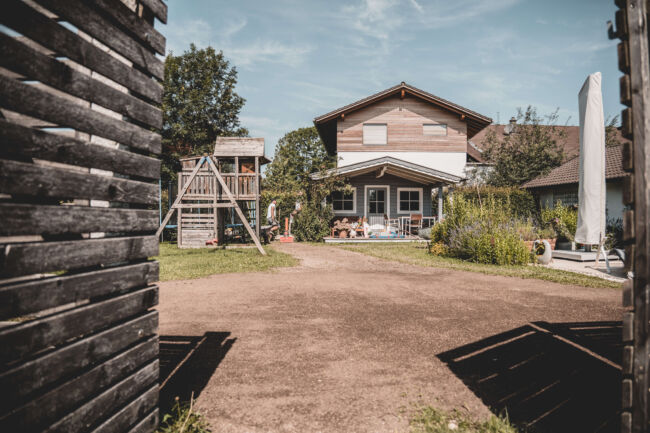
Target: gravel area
x=347, y=343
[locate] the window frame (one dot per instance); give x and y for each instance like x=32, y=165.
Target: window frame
x=436, y=124
x=354, y=203
x=363, y=134
x=420, y=201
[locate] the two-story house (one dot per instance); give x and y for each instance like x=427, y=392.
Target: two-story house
x=394, y=147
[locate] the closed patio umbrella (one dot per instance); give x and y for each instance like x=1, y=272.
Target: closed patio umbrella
x=591, y=189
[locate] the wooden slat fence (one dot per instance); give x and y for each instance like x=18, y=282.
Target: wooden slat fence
x=80, y=93
x=634, y=61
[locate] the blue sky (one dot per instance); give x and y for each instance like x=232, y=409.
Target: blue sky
x=298, y=59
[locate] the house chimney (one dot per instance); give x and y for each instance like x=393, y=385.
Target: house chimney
x=510, y=127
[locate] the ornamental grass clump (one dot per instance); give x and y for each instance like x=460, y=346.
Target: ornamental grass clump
x=481, y=233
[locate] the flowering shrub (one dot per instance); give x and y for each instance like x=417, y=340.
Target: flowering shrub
x=563, y=219
x=438, y=249
x=480, y=233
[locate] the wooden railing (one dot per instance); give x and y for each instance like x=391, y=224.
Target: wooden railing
x=242, y=186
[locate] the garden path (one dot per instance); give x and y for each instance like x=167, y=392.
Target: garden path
x=347, y=343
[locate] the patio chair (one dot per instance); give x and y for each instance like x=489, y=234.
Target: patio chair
x=415, y=223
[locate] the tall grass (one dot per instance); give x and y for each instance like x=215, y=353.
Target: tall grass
x=483, y=232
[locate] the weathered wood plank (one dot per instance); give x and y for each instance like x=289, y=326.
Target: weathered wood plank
x=17, y=140
x=47, y=408
x=35, y=102
x=25, y=379
x=35, y=335
x=628, y=189
x=158, y=8
x=132, y=413
x=25, y=20
x=27, y=297
x=108, y=401
x=22, y=178
x=24, y=60
x=130, y=21
x=28, y=219
x=31, y=258
x=148, y=425
x=86, y=19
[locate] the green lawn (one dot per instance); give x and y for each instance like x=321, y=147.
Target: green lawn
x=431, y=420
x=184, y=264
x=417, y=254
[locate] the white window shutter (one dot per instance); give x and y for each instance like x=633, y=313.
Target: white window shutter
x=374, y=133
x=434, y=129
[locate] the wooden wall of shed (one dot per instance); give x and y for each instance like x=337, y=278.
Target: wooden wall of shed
x=404, y=119
x=79, y=214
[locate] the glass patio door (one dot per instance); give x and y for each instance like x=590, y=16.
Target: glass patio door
x=376, y=202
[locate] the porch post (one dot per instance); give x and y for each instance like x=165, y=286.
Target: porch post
x=439, y=202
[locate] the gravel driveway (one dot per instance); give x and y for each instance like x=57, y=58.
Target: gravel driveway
x=348, y=343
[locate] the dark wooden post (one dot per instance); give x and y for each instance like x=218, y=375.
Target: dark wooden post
x=257, y=195
x=179, y=214
x=237, y=177
x=633, y=59
x=215, y=200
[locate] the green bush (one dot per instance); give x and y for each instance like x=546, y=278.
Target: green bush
x=285, y=204
x=563, y=219
x=312, y=223
x=516, y=202
x=481, y=233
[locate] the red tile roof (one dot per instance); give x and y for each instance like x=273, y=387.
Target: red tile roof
x=568, y=172
x=571, y=142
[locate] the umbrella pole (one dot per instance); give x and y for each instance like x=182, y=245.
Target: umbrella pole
x=601, y=249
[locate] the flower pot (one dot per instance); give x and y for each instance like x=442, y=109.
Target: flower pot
x=343, y=234
x=565, y=245
x=551, y=241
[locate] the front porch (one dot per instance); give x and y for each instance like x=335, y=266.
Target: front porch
x=387, y=200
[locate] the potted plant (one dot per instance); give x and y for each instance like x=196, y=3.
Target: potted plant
x=342, y=227
x=564, y=238
x=547, y=234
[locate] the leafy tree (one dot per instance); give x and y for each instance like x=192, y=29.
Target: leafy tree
x=298, y=155
x=611, y=132
x=199, y=104
x=533, y=148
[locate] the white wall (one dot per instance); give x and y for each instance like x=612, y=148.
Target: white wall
x=448, y=162
x=614, y=199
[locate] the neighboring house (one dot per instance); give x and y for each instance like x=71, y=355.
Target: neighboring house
x=561, y=184
x=394, y=147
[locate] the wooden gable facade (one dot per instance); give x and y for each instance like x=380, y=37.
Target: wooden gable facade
x=406, y=111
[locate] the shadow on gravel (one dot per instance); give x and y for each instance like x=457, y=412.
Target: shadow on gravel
x=548, y=377
x=187, y=363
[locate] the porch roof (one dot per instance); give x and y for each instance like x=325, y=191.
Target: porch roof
x=394, y=166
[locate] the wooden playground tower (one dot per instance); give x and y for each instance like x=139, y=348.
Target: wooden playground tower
x=210, y=186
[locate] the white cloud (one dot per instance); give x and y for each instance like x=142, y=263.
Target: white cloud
x=267, y=51
x=417, y=6
x=181, y=34
x=202, y=34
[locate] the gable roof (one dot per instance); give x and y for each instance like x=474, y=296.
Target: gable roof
x=395, y=166
x=475, y=121
x=569, y=172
